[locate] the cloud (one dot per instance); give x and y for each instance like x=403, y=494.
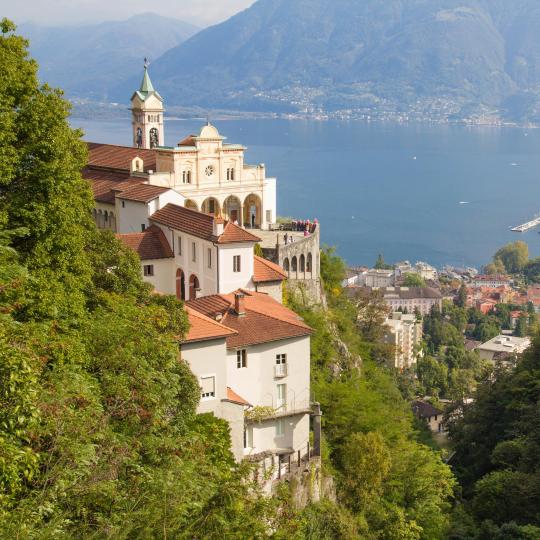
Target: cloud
x=60, y=12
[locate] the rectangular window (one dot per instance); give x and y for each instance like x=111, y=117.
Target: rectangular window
x=148, y=269
x=280, y=427
x=179, y=245
x=143, y=227
x=209, y=257
x=241, y=358
x=193, y=252
x=123, y=204
x=280, y=369
x=269, y=216
x=208, y=387
x=236, y=263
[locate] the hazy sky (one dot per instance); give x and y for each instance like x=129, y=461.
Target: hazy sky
x=53, y=12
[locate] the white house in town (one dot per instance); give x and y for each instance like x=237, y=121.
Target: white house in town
x=503, y=347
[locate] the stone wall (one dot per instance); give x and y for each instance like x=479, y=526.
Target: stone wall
x=301, y=260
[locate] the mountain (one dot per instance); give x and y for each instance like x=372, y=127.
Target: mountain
x=86, y=61
x=453, y=55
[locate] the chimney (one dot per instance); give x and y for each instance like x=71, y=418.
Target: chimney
x=239, y=307
x=218, y=226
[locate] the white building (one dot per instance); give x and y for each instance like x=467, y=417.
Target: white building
x=421, y=299
x=190, y=254
x=404, y=332
x=209, y=174
x=252, y=358
x=503, y=347
x=491, y=281
x=377, y=278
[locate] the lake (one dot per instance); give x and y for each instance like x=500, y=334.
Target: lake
x=445, y=194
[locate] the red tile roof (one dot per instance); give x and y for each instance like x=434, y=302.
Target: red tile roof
x=186, y=220
x=111, y=156
x=265, y=271
x=233, y=233
x=203, y=328
x=200, y=225
x=265, y=319
x=188, y=141
x=142, y=193
x=234, y=397
x=105, y=183
x=150, y=244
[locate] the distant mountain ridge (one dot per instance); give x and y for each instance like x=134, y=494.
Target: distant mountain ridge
x=339, y=54
x=87, y=61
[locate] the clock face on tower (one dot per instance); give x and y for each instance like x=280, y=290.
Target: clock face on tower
x=209, y=170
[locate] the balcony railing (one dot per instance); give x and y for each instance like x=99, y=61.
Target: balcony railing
x=280, y=371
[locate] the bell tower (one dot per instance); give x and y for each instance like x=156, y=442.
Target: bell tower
x=147, y=114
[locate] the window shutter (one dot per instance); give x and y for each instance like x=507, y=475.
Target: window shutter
x=208, y=386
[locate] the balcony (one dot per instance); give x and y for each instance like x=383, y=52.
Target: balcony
x=280, y=371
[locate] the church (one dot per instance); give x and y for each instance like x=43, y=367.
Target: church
x=194, y=213
x=209, y=174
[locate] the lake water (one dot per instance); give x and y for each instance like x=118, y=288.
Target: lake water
x=386, y=188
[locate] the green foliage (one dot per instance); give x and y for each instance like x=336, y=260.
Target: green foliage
x=462, y=296
x=497, y=448
x=257, y=250
x=333, y=270
x=380, y=264
x=395, y=486
x=513, y=257
x=414, y=280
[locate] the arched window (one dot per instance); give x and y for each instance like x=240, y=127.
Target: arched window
x=302, y=263
x=286, y=265
x=294, y=264
x=180, y=285
x=309, y=265
x=193, y=286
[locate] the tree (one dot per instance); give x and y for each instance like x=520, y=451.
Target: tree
x=461, y=300
x=522, y=326
x=380, y=264
x=513, y=257
x=414, y=280
x=532, y=270
x=366, y=464
x=497, y=447
x=40, y=163
x=433, y=375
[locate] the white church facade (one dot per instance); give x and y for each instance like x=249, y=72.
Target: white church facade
x=209, y=174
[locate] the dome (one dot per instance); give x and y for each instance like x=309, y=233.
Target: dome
x=209, y=132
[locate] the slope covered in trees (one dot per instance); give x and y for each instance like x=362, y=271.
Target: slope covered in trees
x=497, y=444
x=391, y=484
